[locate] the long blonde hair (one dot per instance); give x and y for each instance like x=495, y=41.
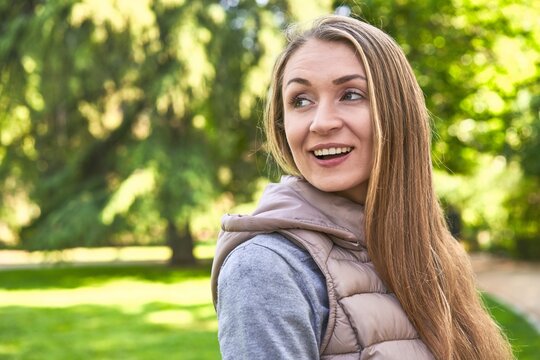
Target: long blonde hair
x=407, y=237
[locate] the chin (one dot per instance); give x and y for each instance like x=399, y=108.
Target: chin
x=352, y=190
x=330, y=186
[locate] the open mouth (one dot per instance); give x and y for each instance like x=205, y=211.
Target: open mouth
x=331, y=153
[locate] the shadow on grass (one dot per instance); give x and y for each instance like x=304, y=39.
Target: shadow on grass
x=71, y=277
x=158, y=330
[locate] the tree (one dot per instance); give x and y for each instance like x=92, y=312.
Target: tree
x=119, y=121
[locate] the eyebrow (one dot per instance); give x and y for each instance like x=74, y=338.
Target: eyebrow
x=338, y=81
x=344, y=79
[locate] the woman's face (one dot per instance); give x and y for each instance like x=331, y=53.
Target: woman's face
x=327, y=118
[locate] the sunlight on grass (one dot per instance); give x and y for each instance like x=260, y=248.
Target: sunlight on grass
x=137, y=312
x=183, y=319
x=175, y=318
x=202, y=251
x=121, y=293
x=8, y=349
x=205, y=250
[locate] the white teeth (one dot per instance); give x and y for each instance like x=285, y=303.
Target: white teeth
x=332, y=151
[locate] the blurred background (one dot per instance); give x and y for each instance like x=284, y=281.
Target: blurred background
x=127, y=128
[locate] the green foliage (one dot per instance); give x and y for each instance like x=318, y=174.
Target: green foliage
x=480, y=72
x=471, y=62
x=118, y=122
x=523, y=214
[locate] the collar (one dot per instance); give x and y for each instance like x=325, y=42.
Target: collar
x=293, y=203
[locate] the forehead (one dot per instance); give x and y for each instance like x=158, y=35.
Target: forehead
x=322, y=58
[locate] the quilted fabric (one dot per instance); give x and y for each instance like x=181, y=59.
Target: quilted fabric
x=366, y=321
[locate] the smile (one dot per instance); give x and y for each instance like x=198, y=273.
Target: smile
x=332, y=152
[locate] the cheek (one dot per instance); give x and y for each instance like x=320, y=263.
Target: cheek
x=291, y=133
x=364, y=128
x=294, y=137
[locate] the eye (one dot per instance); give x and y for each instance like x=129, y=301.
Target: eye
x=299, y=102
x=352, y=95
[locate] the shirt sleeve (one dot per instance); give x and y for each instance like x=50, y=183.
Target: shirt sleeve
x=269, y=306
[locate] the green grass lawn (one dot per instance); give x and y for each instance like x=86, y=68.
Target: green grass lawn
x=134, y=312
x=524, y=338
x=127, y=312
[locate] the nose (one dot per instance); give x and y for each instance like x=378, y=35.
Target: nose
x=325, y=119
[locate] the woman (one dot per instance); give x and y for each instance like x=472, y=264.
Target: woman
x=350, y=256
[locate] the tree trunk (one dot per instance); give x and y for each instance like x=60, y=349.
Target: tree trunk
x=180, y=241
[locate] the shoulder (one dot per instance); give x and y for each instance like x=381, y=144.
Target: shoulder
x=271, y=266
x=270, y=269
x=271, y=301
x=266, y=254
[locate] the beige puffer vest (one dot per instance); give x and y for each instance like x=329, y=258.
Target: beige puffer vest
x=365, y=320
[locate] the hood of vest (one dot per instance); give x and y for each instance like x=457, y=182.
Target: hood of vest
x=293, y=203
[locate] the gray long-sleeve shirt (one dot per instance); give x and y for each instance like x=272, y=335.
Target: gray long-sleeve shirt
x=272, y=301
